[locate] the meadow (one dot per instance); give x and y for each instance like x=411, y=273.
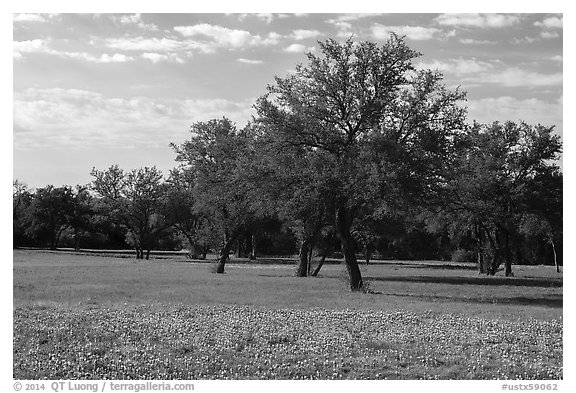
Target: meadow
x=81, y=316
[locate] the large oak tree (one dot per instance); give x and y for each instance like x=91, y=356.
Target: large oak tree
x=381, y=127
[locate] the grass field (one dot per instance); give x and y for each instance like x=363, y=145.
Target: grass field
x=98, y=317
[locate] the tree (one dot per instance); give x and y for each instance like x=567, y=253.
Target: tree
x=180, y=209
x=21, y=200
x=291, y=179
x=542, y=216
x=495, y=184
x=219, y=157
x=375, y=122
x=81, y=214
x=135, y=200
x=50, y=211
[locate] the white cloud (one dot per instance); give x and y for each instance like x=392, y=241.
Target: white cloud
x=105, y=58
x=29, y=18
x=472, y=41
x=473, y=72
x=552, y=22
x=249, y=61
x=549, y=35
x=296, y=48
x=525, y=40
x=457, y=66
x=156, y=45
x=344, y=28
x=478, y=20
x=40, y=46
x=225, y=37
x=162, y=57
x=30, y=46
x=530, y=110
x=516, y=77
x=136, y=20
x=60, y=118
x=417, y=33
x=351, y=17
x=305, y=34
x=557, y=58
x=343, y=23
x=266, y=17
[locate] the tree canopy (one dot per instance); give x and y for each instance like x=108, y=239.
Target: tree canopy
x=379, y=126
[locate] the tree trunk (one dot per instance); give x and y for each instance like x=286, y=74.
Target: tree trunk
x=343, y=224
x=253, y=251
x=310, y=254
x=492, y=263
x=224, y=255
x=303, y=261
x=317, y=270
x=555, y=257
x=367, y=253
x=56, y=238
x=506, y=253
x=77, y=237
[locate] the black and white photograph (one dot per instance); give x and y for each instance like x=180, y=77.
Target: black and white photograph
x=248, y=196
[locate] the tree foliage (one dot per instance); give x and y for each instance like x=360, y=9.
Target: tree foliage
x=497, y=185
x=219, y=158
x=135, y=201
x=377, y=125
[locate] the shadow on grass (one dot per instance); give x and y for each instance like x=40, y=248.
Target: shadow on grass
x=482, y=280
x=420, y=265
x=554, y=301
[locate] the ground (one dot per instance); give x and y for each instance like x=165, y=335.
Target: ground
x=97, y=317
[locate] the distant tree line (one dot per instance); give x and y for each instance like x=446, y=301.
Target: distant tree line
x=356, y=153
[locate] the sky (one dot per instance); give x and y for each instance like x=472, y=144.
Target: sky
x=93, y=90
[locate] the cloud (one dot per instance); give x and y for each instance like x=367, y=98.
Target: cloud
x=516, y=77
x=29, y=18
x=557, y=58
x=552, y=22
x=351, y=17
x=105, y=58
x=266, y=17
x=40, y=46
x=343, y=23
x=300, y=34
x=478, y=20
x=156, y=45
x=30, y=46
x=61, y=118
x=416, y=33
x=458, y=66
x=525, y=40
x=162, y=57
x=530, y=110
x=227, y=38
x=549, y=35
x=472, y=41
x=249, y=61
x=136, y=20
x=473, y=72
x=296, y=48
